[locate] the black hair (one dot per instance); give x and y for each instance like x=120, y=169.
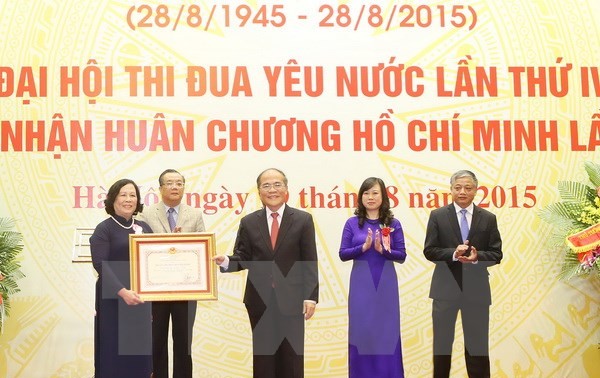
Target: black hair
x=113, y=192
x=160, y=178
x=385, y=214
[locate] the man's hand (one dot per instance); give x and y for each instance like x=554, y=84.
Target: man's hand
x=468, y=256
x=309, y=309
x=462, y=250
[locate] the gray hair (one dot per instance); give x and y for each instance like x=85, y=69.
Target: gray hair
x=463, y=173
x=285, y=180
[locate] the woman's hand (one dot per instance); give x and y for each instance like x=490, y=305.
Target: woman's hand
x=130, y=297
x=373, y=240
x=368, y=241
x=378, y=246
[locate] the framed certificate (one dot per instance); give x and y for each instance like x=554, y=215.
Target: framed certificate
x=81, y=245
x=173, y=267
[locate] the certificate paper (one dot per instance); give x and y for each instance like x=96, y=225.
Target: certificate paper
x=173, y=267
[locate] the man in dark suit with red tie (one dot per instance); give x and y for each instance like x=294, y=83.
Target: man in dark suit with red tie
x=276, y=244
x=462, y=240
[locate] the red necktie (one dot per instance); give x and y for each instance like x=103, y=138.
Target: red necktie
x=274, y=229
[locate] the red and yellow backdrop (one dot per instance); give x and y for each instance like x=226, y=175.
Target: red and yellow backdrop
x=331, y=92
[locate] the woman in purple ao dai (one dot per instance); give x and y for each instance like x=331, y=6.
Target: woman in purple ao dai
x=374, y=240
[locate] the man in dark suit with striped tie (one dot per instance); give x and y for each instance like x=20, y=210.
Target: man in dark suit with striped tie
x=462, y=240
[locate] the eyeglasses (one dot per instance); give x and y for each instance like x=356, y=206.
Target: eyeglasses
x=174, y=184
x=275, y=185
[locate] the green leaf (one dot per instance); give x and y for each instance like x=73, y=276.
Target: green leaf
x=577, y=200
x=571, y=191
x=11, y=244
x=570, y=268
x=561, y=211
x=593, y=171
x=6, y=224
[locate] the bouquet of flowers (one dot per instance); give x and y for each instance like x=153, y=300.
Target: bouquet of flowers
x=576, y=221
x=10, y=246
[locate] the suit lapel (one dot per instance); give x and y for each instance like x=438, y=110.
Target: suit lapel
x=286, y=223
x=182, y=216
x=284, y=226
x=453, y=220
x=263, y=227
x=476, y=219
x=162, y=217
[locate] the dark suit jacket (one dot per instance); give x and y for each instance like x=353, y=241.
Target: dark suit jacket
x=453, y=280
x=290, y=270
x=188, y=218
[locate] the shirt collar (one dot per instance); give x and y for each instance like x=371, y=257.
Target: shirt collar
x=168, y=207
x=278, y=211
x=469, y=208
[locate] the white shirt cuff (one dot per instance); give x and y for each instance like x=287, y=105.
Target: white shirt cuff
x=225, y=263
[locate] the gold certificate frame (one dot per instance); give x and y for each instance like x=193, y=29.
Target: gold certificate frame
x=173, y=267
